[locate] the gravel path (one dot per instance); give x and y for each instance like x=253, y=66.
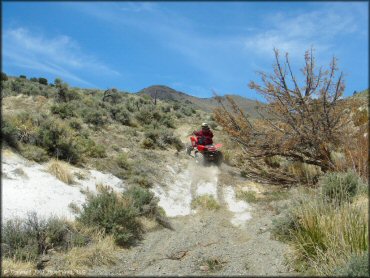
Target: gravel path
x=206, y=243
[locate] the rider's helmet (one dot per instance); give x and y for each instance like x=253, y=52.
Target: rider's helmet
x=205, y=126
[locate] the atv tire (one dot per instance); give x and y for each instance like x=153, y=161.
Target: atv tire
x=200, y=159
x=220, y=158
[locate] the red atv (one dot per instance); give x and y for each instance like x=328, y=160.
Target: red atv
x=205, y=154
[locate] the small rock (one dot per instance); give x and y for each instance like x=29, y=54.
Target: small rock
x=204, y=268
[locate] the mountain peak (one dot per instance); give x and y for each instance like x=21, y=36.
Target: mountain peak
x=166, y=93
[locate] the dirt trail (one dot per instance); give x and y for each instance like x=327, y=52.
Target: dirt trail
x=201, y=238
x=234, y=240
x=207, y=243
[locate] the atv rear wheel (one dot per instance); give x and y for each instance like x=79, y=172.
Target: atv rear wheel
x=220, y=158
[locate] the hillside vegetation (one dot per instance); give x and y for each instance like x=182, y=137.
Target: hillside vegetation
x=105, y=130
x=319, y=206
x=111, y=131
x=318, y=139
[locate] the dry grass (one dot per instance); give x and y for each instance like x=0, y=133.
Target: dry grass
x=149, y=224
x=305, y=172
x=61, y=170
x=247, y=196
x=78, y=260
x=207, y=202
x=13, y=268
x=96, y=254
x=328, y=236
x=356, y=153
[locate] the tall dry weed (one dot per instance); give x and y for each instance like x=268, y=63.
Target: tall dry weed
x=61, y=170
x=357, y=154
x=99, y=253
x=328, y=235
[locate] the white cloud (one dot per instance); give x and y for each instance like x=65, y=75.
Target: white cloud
x=296, y=33
x=218, y=57
x=59, y=55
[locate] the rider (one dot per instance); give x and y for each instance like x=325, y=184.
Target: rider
x=204, y=135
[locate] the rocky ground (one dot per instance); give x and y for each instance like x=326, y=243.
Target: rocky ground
x=207, y=243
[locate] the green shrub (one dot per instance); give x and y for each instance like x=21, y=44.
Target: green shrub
x=65, y=94
x=34, y=79
x=167, y=121
x=166, y=109
x=76, y=124
x=57, y=139
x=9, y=133
x=4, y=77
x=213, y=264
x=97, y=151
x=166, y=137
x=142, y=199
x=187, y=111
x=112, y=96
x=96, y=117
x=146, y=115
x=124, y=118
x=34, y=91
x=22, y=126
x=148, y=143
x=26, y=239
x=58, y=82
x=130, y=105
x=161, y=138
x=63, y=110
x=35, y=153
x=141, y=180
x=23, y=77
x=16, y=86
x=114, y=215
x=43, y=81
x=121, y=114
x=358, y=266
x=122, y=161
x=88, y=147
x=176, y=106
x=17, y=241
x=116, y=148
x=340, y=187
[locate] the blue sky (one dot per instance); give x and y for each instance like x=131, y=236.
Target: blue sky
x=192, y=47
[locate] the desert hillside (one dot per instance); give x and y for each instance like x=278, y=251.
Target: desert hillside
x=205, y=104
x=98, y=182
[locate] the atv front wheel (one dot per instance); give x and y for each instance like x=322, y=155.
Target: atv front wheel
x=200, y=159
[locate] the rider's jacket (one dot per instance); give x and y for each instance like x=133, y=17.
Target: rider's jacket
x=204, y=137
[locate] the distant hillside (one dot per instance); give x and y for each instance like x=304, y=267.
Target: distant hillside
x=205, y=104
x=361, y=95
